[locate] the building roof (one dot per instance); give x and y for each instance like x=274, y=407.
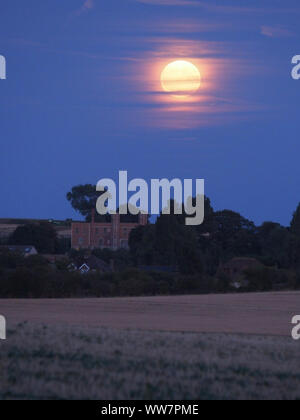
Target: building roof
x=242, y=262
x=95, y=263
x=23, y=249
x=10, y=221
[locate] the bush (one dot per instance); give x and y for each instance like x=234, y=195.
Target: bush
x=34, y=279
x=266, y=279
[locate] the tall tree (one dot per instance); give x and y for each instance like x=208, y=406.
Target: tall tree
x=235, y=234
x=83, y=199
x=295, y=223
x=169, y=242
x=277, y=244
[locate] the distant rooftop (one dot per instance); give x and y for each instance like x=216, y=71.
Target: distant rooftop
x=23, y=249
x=11, y=221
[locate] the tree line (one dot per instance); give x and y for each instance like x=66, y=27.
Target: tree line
x=194, y=252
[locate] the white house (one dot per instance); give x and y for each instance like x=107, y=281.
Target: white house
x=25, y=250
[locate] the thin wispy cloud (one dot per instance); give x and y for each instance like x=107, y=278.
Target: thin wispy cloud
x=171, y=2
x=87, y=6
x=218, y=8
x=275, y=31
x=220, y=99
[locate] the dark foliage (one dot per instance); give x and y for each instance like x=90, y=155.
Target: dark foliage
x=195, y=253
x=42, y=236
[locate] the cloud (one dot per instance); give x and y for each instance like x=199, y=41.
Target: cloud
x=275, y=31
x=86, y=7
x=224, y=67
x=171, y=2
x=212, y=6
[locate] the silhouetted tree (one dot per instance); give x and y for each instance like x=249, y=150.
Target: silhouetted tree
x=295, y=223
x=83, y=199
x=235, y=234
x=279, y=247
x=42, y=236
x=169, y=242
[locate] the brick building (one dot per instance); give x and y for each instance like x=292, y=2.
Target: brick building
x=112, y=235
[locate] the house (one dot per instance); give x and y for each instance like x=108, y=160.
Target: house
x=235, y=270
x=112, y=235
x=72, y=267
x=63, y=232
x=84, y=269
x=90, y=264
x=95, y=264
x=24, y=250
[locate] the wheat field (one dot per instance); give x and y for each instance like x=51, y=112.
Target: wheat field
x=40, y=362
x=168, y=348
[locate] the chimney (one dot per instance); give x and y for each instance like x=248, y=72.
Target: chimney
x=143, y=219
x=91, y=228
x=93, y=216
x=115, y=218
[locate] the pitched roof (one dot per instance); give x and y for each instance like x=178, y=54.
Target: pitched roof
x=96, y=264
x=24, y=249
x=242, y=262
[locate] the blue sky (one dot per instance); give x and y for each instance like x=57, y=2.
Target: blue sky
x=82, y=100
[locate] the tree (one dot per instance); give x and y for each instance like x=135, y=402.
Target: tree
x=279, y=246
x=142, y=245
x=83, y=199
x=235, y=234
x=42, y=236
x=169, y=242
x=208, y=225
x=10, y=259
x=295, y=223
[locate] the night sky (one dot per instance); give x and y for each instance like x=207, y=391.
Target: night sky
x=83, y=100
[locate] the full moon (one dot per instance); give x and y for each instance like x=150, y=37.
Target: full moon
x=181, y=78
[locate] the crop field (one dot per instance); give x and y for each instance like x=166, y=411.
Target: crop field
x=251, y=313
x=188, y=347
x=39, y=362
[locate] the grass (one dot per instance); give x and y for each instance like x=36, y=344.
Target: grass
x=39, y=362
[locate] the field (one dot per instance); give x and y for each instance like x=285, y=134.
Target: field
x=186, y=347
